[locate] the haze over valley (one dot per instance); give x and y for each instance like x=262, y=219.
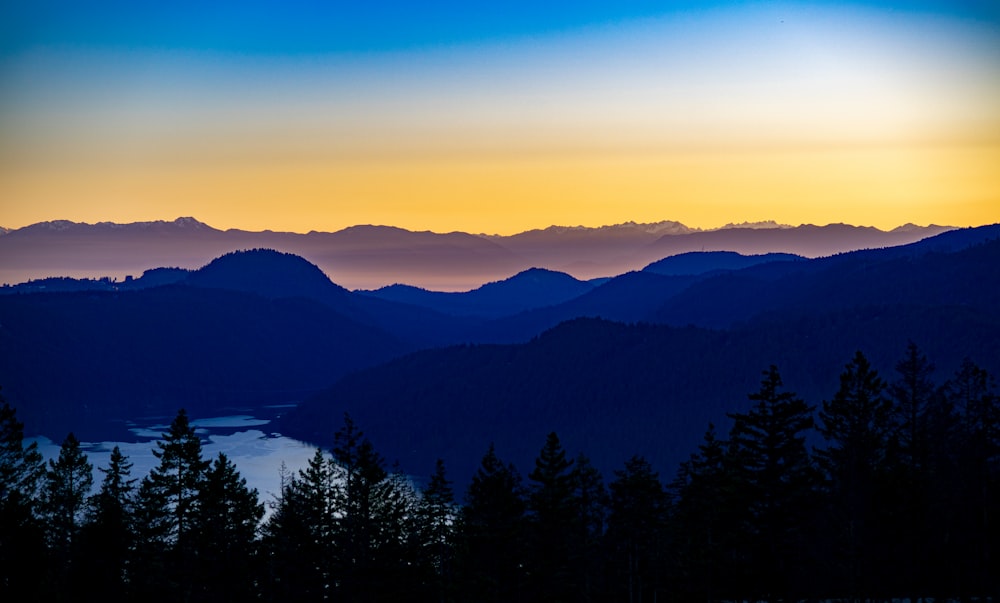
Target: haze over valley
x=370, y=257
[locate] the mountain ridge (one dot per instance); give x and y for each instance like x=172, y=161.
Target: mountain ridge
x=264, y=326
x=369, y=257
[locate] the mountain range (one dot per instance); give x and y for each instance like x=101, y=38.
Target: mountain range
x=636, y=363
x=371, y=257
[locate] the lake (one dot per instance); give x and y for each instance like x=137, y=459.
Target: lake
x=257, y=452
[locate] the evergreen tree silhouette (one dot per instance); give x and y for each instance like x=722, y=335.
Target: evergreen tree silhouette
x=67, y=485
x=972, y=392
x=590, y=501
x=438, y=515
x=169, y=502
x=636, y=535
x=299, y=535
x=858, y=462
x=552, y=523
x=493, y=533
x=775, y=482
x=108, y=535
x=375, y=527
x=229, y=518
x=22, y=538
x=705, y=521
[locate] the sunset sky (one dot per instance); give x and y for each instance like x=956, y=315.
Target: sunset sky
x=500, y=117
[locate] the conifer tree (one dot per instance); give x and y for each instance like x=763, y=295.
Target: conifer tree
x=858, y=426
x=705, y=521
x=493, y=533
x=375, y=528
x=108, y=534
x=22, y=539
x=168, y=509
x=299, y=535
x=179, y=478
x=973, y=393
x=590, y=501
x=438, y=515
x=553, y=523
x=67, y=484
x=362, y=470
x=636, y=534
x=912, y=392
x=21, y=468
x=927, y=435
x=229, y=517
x=775, y=481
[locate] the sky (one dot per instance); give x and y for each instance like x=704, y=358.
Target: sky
x=500, y=117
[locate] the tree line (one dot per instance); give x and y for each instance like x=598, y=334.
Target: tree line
x=888, y=489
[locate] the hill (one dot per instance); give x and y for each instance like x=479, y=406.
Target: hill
x=614, y=390
x=532, y=288
x=701, y=262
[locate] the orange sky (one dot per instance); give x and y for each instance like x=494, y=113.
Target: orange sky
x=807, y=116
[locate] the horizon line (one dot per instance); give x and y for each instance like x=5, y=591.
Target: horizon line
x=756, y=225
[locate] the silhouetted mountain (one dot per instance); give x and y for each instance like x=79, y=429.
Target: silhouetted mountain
x=807, y=240
x=368, y=257
x=631, y=297
x=614, y=390
x=266, y=272
x=719, y=300
x=533, y=288
x=928, y=273
x=700, y=262
x=67, y=359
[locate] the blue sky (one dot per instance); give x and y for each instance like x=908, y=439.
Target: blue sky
x=296, y=27
x=499, y=117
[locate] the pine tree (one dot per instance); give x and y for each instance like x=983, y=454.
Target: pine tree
x=493, y=533
x=229, y=517
x=299, y=535
x=858, y=426
x=108, y=536
x=590, y=501
x=636, y=534
x=397, y=551
x=776, y=481
x=926, y=426
x=705, y=522
x=438, y=515
x=168, y=510
x=362, y=470
x=376, y=526
x=67, y=485
x=21, y=468
x=22, y=539
x=972, y=391
x=913, y=392
x=148, y=578
x=552, y=523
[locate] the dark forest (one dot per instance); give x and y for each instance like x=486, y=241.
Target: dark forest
x=887, y=488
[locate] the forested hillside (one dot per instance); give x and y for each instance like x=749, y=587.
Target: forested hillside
x=884, y=489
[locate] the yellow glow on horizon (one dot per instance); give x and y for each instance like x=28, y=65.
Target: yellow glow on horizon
x=872, y=186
